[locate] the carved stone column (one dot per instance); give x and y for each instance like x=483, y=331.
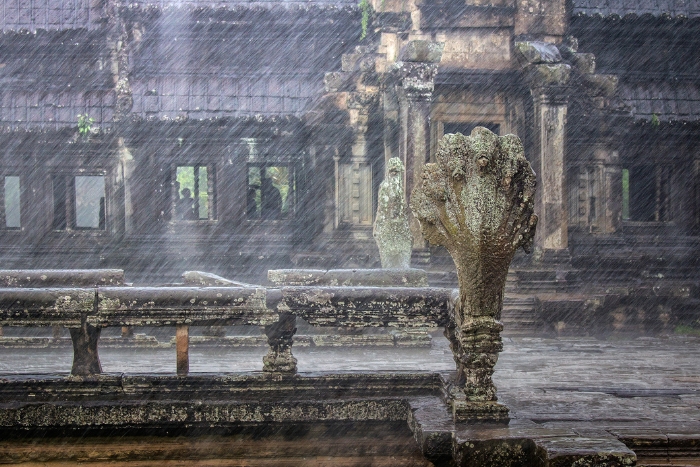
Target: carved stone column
x=280, y=339
x=550, y=128
x=548, y=78
x=121, y=37
x=417, y=67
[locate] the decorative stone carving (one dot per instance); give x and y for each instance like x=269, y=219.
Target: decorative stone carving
x=477, y=201
x=391, y=230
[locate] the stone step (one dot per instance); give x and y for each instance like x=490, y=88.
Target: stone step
x=519, y=315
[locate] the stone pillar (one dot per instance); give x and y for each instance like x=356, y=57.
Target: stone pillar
x=548, y=78
x=280, y=339
x=120, y=39
x=550, y=128
x=417, y=66
x=86, y=361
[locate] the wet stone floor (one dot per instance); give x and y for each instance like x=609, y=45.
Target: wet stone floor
x=552, y=382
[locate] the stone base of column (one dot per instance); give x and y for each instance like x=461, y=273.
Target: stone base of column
x=280, y=362
x=479, y=412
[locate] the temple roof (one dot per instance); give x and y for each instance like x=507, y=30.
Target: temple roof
x=621, y=8
x=669, y=102
x=57, y=15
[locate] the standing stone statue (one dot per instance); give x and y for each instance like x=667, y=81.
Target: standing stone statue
x=391, y=229
x=477, y=201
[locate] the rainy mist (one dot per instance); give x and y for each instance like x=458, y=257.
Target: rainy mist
x=447, y=233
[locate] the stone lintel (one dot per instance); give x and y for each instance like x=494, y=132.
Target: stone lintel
x=366, y=306
x=46, y=307
x=422, y=51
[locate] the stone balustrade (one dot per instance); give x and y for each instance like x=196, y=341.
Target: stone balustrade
x=86, y=310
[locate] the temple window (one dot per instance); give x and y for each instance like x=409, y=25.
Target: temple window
x=269, y=192
x=11, y=202
x=79, y=202
x=194, y=193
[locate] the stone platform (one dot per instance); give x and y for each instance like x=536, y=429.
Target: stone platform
x=583, y=401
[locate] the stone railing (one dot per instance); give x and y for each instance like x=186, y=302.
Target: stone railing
x=86, y=310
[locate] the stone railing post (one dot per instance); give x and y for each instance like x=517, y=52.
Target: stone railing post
x=477, y=201
x=182, y=349
x=280, y=336
x=86, y=361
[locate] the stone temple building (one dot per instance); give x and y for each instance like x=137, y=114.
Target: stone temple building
x=235, y=136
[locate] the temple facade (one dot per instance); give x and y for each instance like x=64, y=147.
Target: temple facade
x=238, y=136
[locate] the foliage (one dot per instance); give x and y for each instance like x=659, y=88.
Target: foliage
x=686, y=330
x=366, y=10
x=655, y=120
x=85, y=124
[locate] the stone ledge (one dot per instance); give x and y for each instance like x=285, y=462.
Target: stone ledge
x=349, y=277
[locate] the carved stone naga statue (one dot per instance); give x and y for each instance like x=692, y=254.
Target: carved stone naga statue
x=477, y=201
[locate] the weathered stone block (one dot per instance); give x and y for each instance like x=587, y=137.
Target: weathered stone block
x=208, y=279
x=350, y=277
x=61, y=277
x=422, y=51
x=585, y=62
x=544, y=75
